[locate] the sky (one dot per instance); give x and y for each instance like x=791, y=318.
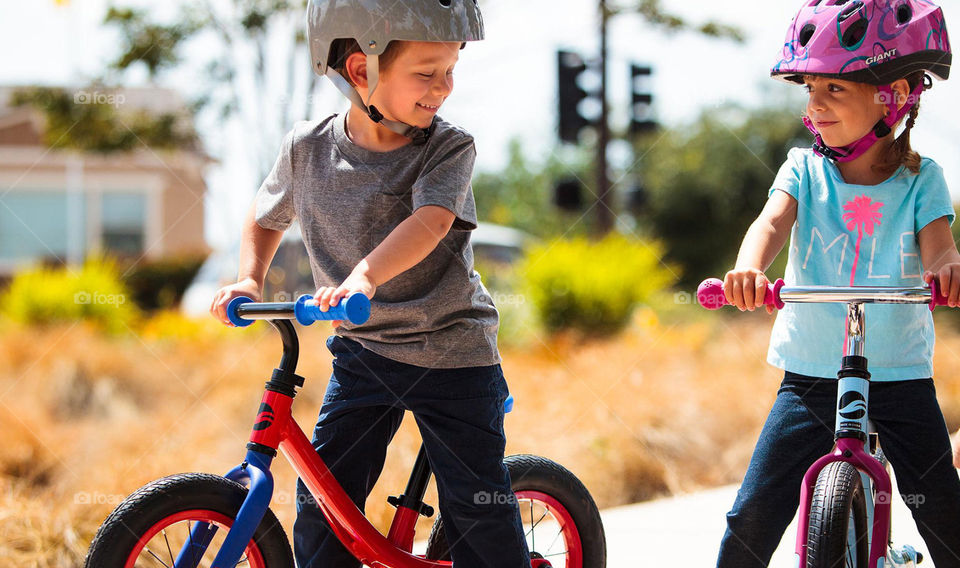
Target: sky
x=505, y=86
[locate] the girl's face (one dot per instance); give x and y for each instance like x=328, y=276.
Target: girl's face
x=417, y=82
x=842, y=111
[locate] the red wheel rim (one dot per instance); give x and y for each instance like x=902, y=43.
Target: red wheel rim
x=254, y=558
x=571, y=536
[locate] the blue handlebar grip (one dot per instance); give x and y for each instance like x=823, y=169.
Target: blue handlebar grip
x=232, y=311
x=355, y=308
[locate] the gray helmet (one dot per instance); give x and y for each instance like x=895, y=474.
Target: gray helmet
x=375, y=23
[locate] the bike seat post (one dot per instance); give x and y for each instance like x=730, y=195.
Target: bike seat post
x=853, y=385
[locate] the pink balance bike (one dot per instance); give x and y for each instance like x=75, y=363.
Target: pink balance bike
x=844, y=516
x=196, y=520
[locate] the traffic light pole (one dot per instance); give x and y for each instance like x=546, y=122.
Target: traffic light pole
x=604, y=197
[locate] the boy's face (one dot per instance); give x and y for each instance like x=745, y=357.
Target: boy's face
x=417, y=81
x=842, y=111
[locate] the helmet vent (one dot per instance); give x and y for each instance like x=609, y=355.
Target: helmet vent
x=904, y=14
x=854, y=34
x=805, y=34
x=850, y=10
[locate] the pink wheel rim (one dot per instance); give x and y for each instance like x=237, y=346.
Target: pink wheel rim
x=571, y=536
x=254, y=558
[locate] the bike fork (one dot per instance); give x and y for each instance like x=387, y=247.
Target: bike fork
x=255, y=473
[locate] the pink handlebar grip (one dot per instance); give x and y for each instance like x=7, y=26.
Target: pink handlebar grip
x=936, y=298
x=710, y=294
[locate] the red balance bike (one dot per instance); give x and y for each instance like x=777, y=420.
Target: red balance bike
x=193, y=520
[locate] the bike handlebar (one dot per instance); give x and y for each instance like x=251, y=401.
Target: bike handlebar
x=710, y=294
x=242, y=311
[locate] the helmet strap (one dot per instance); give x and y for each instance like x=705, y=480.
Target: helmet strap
x=880, y=130
x=418, y=135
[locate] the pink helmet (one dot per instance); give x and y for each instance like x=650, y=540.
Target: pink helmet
x=867, y=41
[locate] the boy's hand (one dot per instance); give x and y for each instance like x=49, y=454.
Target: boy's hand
x=955, y=442
x=246, y=287
x=948, y=282
x=328, y=296
x=746, y=289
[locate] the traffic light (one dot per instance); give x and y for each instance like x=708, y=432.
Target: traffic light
x=570, y=66
x=641, y=100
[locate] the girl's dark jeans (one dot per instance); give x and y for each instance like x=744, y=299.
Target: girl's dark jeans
x=800, y=429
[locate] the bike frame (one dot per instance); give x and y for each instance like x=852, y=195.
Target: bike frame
x=853, y=391
x=275, y=429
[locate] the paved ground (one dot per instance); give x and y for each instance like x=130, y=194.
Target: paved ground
x=686, y=531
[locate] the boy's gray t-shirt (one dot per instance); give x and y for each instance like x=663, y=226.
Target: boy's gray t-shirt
x=438, y=313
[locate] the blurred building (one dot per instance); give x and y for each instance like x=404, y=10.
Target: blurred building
x=59, y=205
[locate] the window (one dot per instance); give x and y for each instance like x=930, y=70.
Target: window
x=41, y=224
x=122, y=218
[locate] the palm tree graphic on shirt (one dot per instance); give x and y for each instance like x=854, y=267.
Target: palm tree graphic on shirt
x=863, y=214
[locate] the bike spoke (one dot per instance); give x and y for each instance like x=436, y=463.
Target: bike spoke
x=160, y=560
x=559, y=534
x=169, y=551
x=533, y=536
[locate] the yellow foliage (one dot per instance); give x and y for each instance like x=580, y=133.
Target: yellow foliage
x=94, y=293
x=593, y=285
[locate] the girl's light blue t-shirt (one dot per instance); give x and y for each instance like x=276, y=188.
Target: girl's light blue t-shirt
x=860, y=235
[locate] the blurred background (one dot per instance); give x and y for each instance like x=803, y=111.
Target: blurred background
x=623, y=149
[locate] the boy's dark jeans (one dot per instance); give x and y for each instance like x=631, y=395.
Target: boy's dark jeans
x=460, y=416
x=800, y=429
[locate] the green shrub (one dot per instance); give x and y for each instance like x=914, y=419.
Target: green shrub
x=93, y=292
x=593, y=286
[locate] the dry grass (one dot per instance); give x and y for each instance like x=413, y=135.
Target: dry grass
x=663, y=408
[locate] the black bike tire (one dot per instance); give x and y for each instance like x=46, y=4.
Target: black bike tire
x=535, y=473
x=837, y=498
x=167, y=496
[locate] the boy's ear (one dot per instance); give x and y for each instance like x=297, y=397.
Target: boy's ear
x=901, y=90
x=356, y=68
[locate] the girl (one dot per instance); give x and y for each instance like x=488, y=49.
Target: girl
x=861, y=208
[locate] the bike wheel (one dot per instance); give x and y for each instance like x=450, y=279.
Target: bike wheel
x=837, y=537
x=150, y=527
x=560, y=520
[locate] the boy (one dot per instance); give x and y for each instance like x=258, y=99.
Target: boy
x=385, y=206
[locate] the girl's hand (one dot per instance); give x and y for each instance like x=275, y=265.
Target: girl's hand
x=246, y=287
x=328, y=296
x=746, y=289
x=948, y=282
